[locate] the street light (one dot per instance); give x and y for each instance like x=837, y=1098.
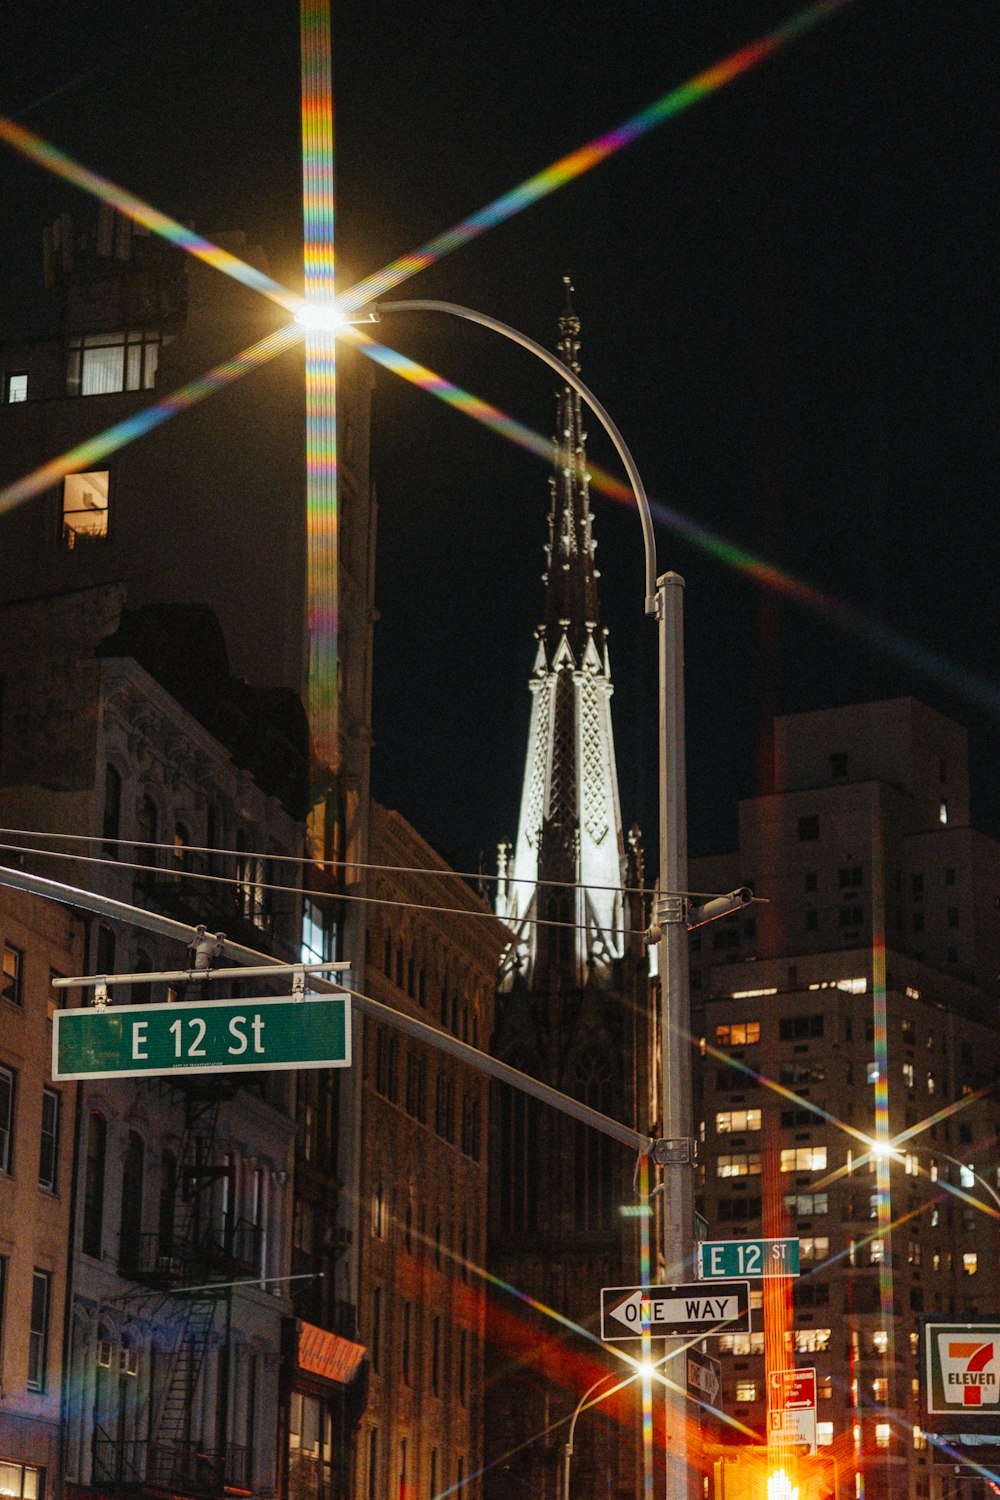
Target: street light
x=644, y=1369
x=887, y=1149
x=664, y=602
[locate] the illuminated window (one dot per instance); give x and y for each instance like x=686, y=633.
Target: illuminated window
x=736, y=1120
x=880, y=1341
x=880, y=1389
x=741, y=1034
x=807, y=1205
x=967, y=1177
x=17, y=387
x=746, y=1390
x=876, y=1252
x=803, y=1158
x=824, y=1434
x=814, y=1248
x=812, y=1340
x=970, y=1263
x=919, y=1439
x=943, y=812
x=12, y=974
x=19, y=1482
x=883, y=1434
x=100, y=363
x=740, y=1343
x=908, y=1074
x=738, y=1164
x=85, y=509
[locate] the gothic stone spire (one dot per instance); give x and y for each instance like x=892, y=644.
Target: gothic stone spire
x=570, y=829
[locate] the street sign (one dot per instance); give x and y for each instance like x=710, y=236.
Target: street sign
x=961, y=1374
x=627, y=1312
x=719, y=1259
x=704, y=1376
x=791, y=1406
x=210, y=1036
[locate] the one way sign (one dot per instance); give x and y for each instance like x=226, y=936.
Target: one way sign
x=627, y=1312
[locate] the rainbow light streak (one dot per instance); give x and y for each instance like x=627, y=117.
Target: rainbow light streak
x=113, y=438
x=873, y=632
x=44, y=154
x=568, y=168
x=318, y=217
x=883, y=1176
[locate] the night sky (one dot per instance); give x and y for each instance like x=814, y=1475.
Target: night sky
x=788, y=298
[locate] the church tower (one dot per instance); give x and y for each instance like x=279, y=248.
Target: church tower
x=568, y=865
x=571, y=1010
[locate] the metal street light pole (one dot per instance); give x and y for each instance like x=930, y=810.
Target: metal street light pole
x=664, y=601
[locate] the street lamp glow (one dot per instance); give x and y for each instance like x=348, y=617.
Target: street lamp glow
x=780, y=1487
x=320, y=317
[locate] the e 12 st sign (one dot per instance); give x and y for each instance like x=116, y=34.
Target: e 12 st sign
x=211, y=1036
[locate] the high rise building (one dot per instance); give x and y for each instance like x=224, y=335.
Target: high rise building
x=856, y=1009
x=571, y=1010
x=155, y=659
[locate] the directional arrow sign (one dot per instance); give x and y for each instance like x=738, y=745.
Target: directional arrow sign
x=704, y=1376
x=210, y=1036
x=627, y=1312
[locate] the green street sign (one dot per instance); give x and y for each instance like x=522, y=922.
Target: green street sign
x=211, y=1036
x=719, y=1260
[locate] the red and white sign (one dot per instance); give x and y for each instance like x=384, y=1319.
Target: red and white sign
x=791, y=1406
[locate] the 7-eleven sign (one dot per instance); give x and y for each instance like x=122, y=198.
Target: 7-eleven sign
x=963, y=1369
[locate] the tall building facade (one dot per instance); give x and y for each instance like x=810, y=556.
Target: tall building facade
x=571, y=1010
x=434, y=947
x=155, y=658
x=857, y=1006
x=37, y=1118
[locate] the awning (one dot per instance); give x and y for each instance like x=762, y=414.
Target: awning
x=328, y=1356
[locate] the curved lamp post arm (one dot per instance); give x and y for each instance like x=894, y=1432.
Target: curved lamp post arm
x=963, y=1167
x=570, y=376
x=568, y=1445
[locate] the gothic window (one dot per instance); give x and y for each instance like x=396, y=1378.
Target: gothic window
x=112, y=809
x=520, y=1148
x=592, y=1157
x=130, y=1227
x=93, y=1183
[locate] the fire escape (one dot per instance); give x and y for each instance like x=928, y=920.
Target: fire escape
x=187, y=1263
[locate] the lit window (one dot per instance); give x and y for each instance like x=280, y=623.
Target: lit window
x=814, y=1248
x=872, y=1072
x=908, y=1074
x=970, y=1263
x=742, y=1034
x=967, y=1177
x=17, y=387
x=746, y=1390
x=883, y=1433
x=812, y=1340
x=803, y=1158
x=880, y=1341
x=100, y=363
x=11, y=974
x=807, y=1205
x=736, y=1120
x=740, y=1343
x=824, y=1434
x=85, y=509
x=876, y=1252
x=943, y=812
x=739, y=1164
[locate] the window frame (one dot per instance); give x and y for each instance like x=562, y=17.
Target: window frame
x=49, y=1183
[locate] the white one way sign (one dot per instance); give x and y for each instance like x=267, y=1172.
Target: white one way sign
x=627, y=1312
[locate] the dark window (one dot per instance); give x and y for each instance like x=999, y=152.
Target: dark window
x=917, y=882
x=918, y=921
x=48, y=1156
x=93, y=1184
x=953, y=916
x=470, y=1127
x=376, y=1329
x=406, y=1343
x=111, y=822
x=794, y=1028
x=849, y=878
x=168, y=1197
x=838, y=765
x=12, y=975
x=8, y=1090
x=444, y=1111
x=105, y=949
x=812, y=921
x=949, y=876
x=808, y=828
x=386, y=1055
x=147, y=832
x=38, y=1334
x=811, y=880
x=436, y=1356
x=416, y=1086
x=852, y=916
x=373, y=1464
x=130, y=1225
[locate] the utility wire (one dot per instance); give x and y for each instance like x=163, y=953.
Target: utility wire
x=338, y=864
x=179, y=873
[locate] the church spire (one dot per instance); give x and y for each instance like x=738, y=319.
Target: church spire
x=564, y=900
x=571, y=606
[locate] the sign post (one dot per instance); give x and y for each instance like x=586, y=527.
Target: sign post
x=210, y=1036
x=627, y=1312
